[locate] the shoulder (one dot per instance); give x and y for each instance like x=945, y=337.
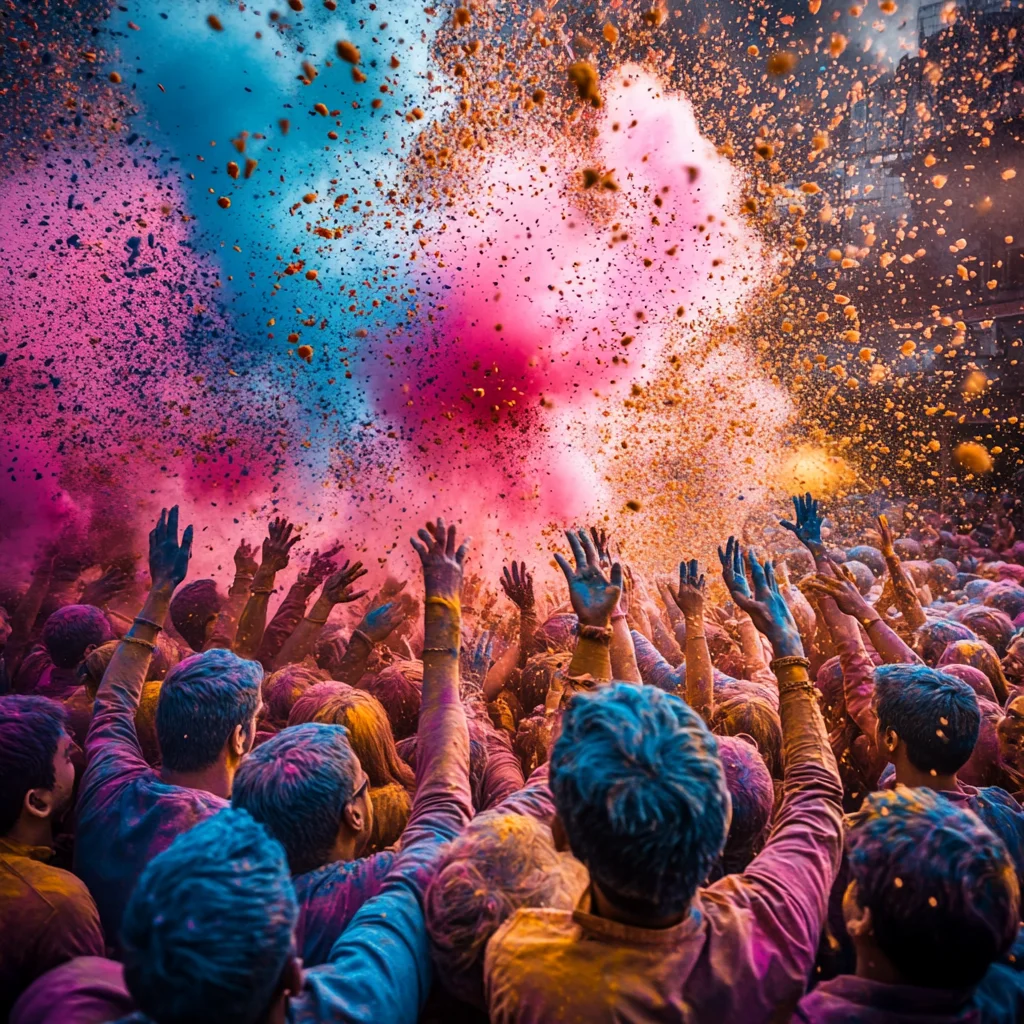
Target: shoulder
x=529, y=930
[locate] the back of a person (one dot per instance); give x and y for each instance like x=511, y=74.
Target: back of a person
x=123, y=827
x=38, y=907
x=998, y=999
x=717, y=965
x=86, y=990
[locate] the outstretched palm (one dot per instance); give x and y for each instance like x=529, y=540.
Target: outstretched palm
x=593, y=596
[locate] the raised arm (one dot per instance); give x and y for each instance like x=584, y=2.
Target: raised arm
x=689, y=599
x=374, y=628
x=277, y=547
x=380, y=968
x=226, y=626
x=112, y=730
x=790, y=880
x=594, y=597
x=518, y=587
x=27, y=612
x=807, y=528
x=337, y=590
x=904, y=592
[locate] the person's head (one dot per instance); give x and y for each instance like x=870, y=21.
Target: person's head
x=862, y=574
x=208, y=931
x=752, y=795
x=1013, y=660
x=207, y=710
x=536, y=678
x=980, y=655
x=1010, y=731
x=931, y=639
x=927, y=720
x=942, y=576
x=194, y=610
x=973, y=677
x=37, y=775
x=281, y=689
x=907, y=548
x=398, y=688
x=369, y=733
x=932, y=890
x=74, y=631
x=94, y=664
x=557, y=633
x=993, y=626
x=751, y=716
x=975, y=590
x=641, y=796
x=307, y=788
x=1006, y=597
x=499, y=864
x=869, y=556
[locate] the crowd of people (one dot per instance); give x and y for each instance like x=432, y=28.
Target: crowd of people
x=794, y=794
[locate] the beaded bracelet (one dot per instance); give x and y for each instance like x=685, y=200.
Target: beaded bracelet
x=791, y=661
x=138, y=640
x=602, y=634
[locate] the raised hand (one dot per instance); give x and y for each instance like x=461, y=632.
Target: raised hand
x=602, y=542
x=593, y=595
x=732, y=568
x=278, y=544
x=769, y=610
x=808, y=522
x=168, y=560
x=321, y=565
x=245, y=559
x=338, y=590
x=844, y=592
x=482, y=659
x=518, y=586
x=443, y=563
x=886, y=545
x=104, y=589
x=380, y=622
x=689, y=598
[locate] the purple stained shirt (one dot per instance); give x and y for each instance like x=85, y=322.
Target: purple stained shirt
x=125, y=814
x=329, y=898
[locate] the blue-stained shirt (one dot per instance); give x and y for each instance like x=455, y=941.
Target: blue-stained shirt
x=125, y=815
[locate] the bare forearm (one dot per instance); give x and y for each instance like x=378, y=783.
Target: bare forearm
x=700, y=692
x=527, y=628
x=754, y=663
x=665, y=642
x=499, y=673
x=24, y=619
x=288, y=615
x=890, y=646
x=904, y=593
x=306, y=633
x=352, y=665
x=622, y=656
x=253, y=620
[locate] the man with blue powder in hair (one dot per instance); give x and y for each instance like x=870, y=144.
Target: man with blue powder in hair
x=932, y=905
x=127, y=812
x=208, y=936
x=642, y=802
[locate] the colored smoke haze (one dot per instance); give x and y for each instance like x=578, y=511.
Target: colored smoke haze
x=546, y=300
x=116, y=400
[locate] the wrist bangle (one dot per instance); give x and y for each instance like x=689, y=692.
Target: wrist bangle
x=362, y=636
x=261, y=590
x=138, y=640
x=147, y=622
x=244, y=576
x=618, y=616
x=316, y=622
x=602, y=634
x=799, y=684
x=453, y=651
x=790, y=661
x=695, y=636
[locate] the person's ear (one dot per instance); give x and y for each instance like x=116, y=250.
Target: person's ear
x=559, y=835
x=891, y=740
x=38, y=803
x=858, y=921
x=238, y=745
x=355, y=817
x=89, y=649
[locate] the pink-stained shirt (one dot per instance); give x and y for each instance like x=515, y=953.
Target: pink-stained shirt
x=87, y=990
x=125, y=813
x=46, y=917
x=744, y=952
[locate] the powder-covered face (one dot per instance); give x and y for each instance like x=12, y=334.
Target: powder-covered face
x=1011, y=734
